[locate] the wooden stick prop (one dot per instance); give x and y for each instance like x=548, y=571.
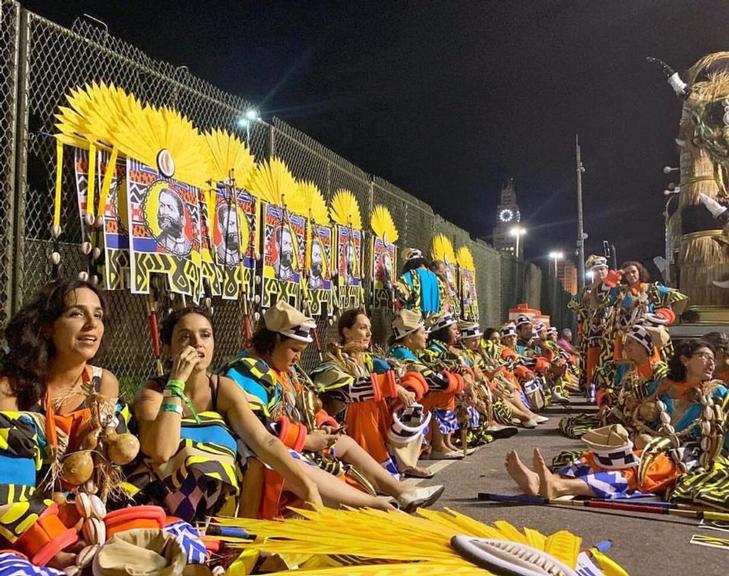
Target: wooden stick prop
x=644, y=507
x=154, y=333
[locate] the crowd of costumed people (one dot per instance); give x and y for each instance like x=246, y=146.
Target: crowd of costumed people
x=89, y=480
x=252, y=464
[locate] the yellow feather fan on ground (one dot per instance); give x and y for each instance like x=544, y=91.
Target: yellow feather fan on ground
x=273, y=182
x=383, y=226
x=465, y=258
x=309, y=201
x=375, y=542
x=229, y=158
x=442, y=249
x=345, y=210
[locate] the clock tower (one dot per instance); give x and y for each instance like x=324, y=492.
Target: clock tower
x=507, y=217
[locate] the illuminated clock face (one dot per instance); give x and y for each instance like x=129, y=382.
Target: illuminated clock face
x=506, y=214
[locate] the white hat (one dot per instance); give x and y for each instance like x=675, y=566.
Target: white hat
x=443, y=321
x=406, y=322
x=469, y=330
x=522, y=319
x=288, y=321
x=508, y=330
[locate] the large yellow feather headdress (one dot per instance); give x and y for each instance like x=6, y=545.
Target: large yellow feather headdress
x=442, y=249
x=229, y=158
x=105, y=116
x=273, y=182
x=308, y=201
x=465, y=259
x=383, y=226
x=345, y=210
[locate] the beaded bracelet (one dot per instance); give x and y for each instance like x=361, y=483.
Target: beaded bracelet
x=171, y=407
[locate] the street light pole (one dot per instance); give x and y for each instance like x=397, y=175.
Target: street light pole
x=580, y=224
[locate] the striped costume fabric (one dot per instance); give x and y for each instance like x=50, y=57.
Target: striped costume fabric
x=705, y=488
x=15, y=565
x=203, y=475
x=190, y=540
x=603, y=483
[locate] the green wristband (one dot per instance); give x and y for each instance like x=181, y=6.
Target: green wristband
x=177, y=387
x=170, y=407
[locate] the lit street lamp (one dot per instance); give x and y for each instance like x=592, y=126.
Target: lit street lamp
x=556, y=256
x=517, y=232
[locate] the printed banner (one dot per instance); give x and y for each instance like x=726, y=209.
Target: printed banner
x=116, y=225
x=382, y=269
x=284, y=250
x=235, y=240
x=164, y=232
x=211, y=275
x=349, y=268
x=469, y=297
x=81, y=174
x=320, y=293
x=453, y=299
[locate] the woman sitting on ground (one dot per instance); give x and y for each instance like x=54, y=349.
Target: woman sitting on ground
x=269, y=376
x=46, y=373
x=190, y=423
x=359, y=390
x=611, y=468
x=408, y=346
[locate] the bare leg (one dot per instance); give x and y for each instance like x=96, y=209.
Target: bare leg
x=335, y=493
x=438, y=443
x=526, y=479
x=519, y=413
x=348, y=450
x=519, y=403
x=553, y=485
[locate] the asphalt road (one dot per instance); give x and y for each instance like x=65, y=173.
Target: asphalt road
x=644, y=544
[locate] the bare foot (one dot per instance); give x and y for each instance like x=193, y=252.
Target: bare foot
x=548, y=483
x=527, y=480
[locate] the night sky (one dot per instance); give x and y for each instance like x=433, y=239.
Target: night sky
x=448, y=99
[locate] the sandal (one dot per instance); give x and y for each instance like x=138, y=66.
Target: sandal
x=418, y=472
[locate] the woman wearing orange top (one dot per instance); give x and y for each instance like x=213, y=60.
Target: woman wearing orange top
x=46, y=373
x=636, y=298
x=360, y=390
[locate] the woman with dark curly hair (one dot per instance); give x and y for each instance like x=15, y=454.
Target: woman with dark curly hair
x=46, y=373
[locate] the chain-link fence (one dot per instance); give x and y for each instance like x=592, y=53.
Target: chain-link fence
x=8, y=91
x=40, y=62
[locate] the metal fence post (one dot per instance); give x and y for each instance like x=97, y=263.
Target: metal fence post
x=21, y=156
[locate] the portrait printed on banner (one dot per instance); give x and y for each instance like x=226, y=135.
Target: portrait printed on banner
x=283, y=254
x=469, y=297
x=382, y=268
x=319, y=282
x=234, y=238
x=165, y=230
x=349, y=267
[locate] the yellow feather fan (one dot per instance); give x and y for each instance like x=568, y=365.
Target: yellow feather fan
x=465, y=258
x=370, y=542
x=308, y=201
x=229, y=158
x=104, y=115
x=382, y=225
x=442, y=249
x=273, y=182
x=345, y=210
